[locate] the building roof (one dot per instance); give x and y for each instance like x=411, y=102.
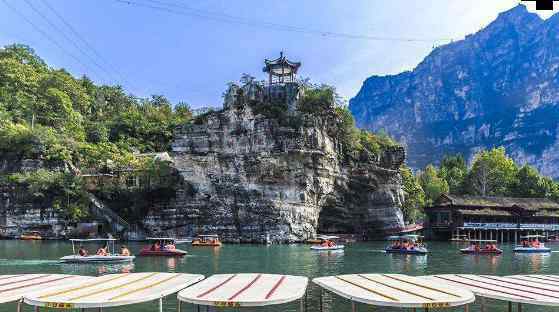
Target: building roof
x=533, y=204
x=281, y=66
x=484, y=212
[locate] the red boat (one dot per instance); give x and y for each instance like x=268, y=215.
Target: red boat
x=162, y=247
x=490, y=248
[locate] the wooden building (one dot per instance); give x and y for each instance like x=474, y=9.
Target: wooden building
x=500, y=218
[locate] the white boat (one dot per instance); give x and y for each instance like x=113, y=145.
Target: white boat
x=528, y=248
x=330, y=243
x=185, y=240
x=110, y=257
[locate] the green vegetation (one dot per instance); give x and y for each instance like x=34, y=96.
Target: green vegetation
x=323, y=100
x=414, y=202
x=492, y=173
x=63, y=191
x=47, y=114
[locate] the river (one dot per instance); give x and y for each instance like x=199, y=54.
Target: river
x=41, y=257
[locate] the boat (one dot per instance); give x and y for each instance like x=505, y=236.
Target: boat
x=327, y=243
x=531, y=244
x=162, y=246
x=475, y=249
x=211, y=240
x=460, y=238
x=553, y=239
x=33, y=235
x=110, y=257
x=414, y=245
x=184, y=240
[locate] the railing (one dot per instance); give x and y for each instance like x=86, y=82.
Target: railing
x=117, y=223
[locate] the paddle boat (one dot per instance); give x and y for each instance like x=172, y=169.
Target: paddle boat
x=531, y=244
x=33, y=235
x=327, y=243
x=490, y=247
x=162, y=246
x=81, y=256
x=211, y=240
x=553, y=239
x=407, y=244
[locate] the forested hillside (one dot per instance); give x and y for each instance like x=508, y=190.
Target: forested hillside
x=48, y=115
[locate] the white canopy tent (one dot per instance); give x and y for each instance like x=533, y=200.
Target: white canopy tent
x=520, y=289
x=394, y=290
x=246, y=290
x=114, y=290
x=14, y=287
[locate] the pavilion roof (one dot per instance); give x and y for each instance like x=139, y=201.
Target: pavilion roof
x=281, y=61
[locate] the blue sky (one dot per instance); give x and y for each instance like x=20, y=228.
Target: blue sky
x=191, y=49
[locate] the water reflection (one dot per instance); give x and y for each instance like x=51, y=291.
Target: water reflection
x=96, y=268
x=534, y=261
x=488, y=264
x=407, y=262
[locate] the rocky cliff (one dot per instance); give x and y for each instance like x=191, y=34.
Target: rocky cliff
x=499, y=86
x=247, y=175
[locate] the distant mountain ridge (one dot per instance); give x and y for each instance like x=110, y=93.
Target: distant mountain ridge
x=499, y=86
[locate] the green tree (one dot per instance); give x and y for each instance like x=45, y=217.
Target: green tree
x=414, y=197
x=453, y=170
x=493, y=173
x=432, y=184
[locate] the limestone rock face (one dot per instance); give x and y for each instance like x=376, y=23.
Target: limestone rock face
x=248, y=177
x=497, y=87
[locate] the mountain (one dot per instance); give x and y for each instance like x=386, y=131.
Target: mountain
x=497, y=87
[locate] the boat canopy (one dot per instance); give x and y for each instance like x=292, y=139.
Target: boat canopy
x=518, y=288
x=483, y=240
x=245, y=290
x=395, y=290
x=327, y=237
x=394, y=237
x=161, y=238
x=14, y=287
x=411, y=237
x=113, y=290
x=532, y=236
x=93, y=239
x=208, y=235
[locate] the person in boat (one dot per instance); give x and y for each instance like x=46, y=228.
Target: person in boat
x=102, y=251
x=169, y=246
x=124, y=251
x=536, y=243
x=156, y=246
x=82, y=251
x=524, y=243
x=476, y=248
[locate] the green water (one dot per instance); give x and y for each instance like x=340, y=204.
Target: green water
x=41, y=257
